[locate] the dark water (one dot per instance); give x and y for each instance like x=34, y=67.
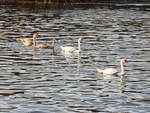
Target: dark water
x=34, y=81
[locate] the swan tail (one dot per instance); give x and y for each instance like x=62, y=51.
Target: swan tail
x=99, y=70
x=62, y=48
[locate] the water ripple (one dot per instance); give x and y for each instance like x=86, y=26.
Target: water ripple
x=35, y=81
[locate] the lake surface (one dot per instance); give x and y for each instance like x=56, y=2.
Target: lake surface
x=36, y=81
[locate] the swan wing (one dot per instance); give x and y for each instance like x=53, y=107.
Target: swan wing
x=27, y=41
x=40, y=46
x=109, y=71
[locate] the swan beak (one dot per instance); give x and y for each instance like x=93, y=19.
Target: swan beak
x=125, y=61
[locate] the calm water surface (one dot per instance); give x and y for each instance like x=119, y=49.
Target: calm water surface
x=35, y=81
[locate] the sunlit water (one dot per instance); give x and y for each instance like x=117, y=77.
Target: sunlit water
x=35, y=81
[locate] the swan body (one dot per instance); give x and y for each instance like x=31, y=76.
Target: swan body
x=112, y=71
x=40, y=46
x=108, y=71
x=29, y=41
x=69, y=49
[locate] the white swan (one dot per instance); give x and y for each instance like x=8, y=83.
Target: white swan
x=112, y=71
x=69, y=50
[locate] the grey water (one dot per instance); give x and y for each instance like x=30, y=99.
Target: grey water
x=38, y=81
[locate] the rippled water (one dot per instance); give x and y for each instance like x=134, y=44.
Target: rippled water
x=35, y=81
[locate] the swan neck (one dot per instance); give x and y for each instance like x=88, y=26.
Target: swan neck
x=53, y=43
x=122, y=68
x=79, y=45
x=34, y=42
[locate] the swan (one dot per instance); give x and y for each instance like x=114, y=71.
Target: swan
x=69, y=49
x=30, y=41
x=112, y=71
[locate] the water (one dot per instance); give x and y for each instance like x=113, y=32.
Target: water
x=35, y=81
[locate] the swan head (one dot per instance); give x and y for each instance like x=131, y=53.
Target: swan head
x=123, y=60
x=35, y=35
x=79, y=39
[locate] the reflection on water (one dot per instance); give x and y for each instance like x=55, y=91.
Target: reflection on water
x=38, y=81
